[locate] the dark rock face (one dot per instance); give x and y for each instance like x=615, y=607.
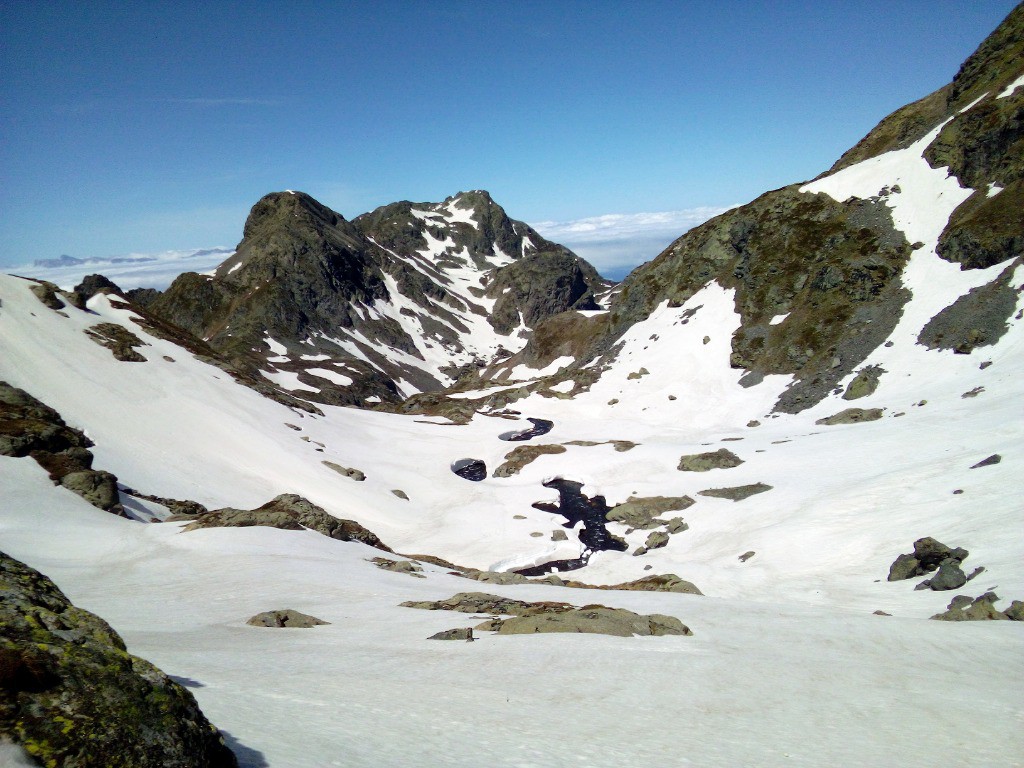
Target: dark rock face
x=70, y=694
x=977, y=319
x=93, y=284
x=30, y=428
x=285, y=618
x=303, y=275
x=289, y=512
x=995, y=458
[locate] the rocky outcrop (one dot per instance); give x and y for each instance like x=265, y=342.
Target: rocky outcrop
x=355, y=293
x=532, y=618
x=931, y=555
x=289, y=512
x=408, y=567
x=642, y=512
x=71, y=695
x=705, y=462
x=119, y=340
x=285, y=618
x=981, y=608
x=28, y=427
x=851, y=416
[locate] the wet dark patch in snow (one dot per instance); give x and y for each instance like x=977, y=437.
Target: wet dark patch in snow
x=471, y=469
x=575, y=507
x=540, y=427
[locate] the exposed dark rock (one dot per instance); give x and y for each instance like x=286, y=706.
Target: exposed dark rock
x=746, y=556
x=704, y=462
x=71, y=695
x=737, y=492
x=995, y=458
x=97, y=487
x=289, y=512
x=852, y=416
x=1016, y=611
x=285, y=618
x=928, y=555
x=949, y=576
x=47, y=293
x=977, y=319
x=481, y=602
x=93, y=284
x=400, y=494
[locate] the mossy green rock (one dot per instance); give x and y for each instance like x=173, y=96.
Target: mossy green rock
x=723, y=458
x=73, y=697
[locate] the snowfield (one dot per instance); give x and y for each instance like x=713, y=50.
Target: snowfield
x=788, y=664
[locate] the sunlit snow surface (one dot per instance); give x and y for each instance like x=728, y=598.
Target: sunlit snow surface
x=787, y=665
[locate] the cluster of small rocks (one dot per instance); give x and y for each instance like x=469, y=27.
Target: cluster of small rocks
x=930, y=556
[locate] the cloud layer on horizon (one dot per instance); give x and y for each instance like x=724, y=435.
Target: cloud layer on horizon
x=615, y=243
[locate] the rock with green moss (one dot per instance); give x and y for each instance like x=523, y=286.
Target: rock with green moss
x=736, y=492
x=705, y=462
x=864, y=383
x=71, y=695
x=522, y=455
x=642, y=512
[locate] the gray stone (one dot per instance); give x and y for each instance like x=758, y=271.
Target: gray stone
x=399, y=566
x=590, y=620
x=995, y=458
x=1016, y=611
x=949, y=576
x=462, y=633
x=97, y=487
x=904, y=567
x=864, y=383
x=286, y=618
x=747, y=555
x=559, y=535
x=400, y=494
x=355, y=474
x=641, y=512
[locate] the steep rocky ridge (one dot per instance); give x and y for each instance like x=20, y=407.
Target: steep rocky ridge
x=400, y=300
x=818, y=281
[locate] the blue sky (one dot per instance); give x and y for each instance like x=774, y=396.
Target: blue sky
x=145, y=126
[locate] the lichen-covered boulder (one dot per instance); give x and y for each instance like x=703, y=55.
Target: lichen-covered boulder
x=705, y=462
x=71, y=695
x=596, y=619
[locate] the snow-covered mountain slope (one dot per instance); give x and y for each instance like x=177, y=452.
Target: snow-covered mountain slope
x=774, y=409
x=399, y=301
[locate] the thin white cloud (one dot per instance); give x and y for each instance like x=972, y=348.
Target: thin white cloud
x=133, y=270
x=616, y=242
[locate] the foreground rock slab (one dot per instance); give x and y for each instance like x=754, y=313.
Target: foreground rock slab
x=71, y=695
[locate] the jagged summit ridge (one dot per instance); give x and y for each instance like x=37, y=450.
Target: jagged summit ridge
x=400, y=300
